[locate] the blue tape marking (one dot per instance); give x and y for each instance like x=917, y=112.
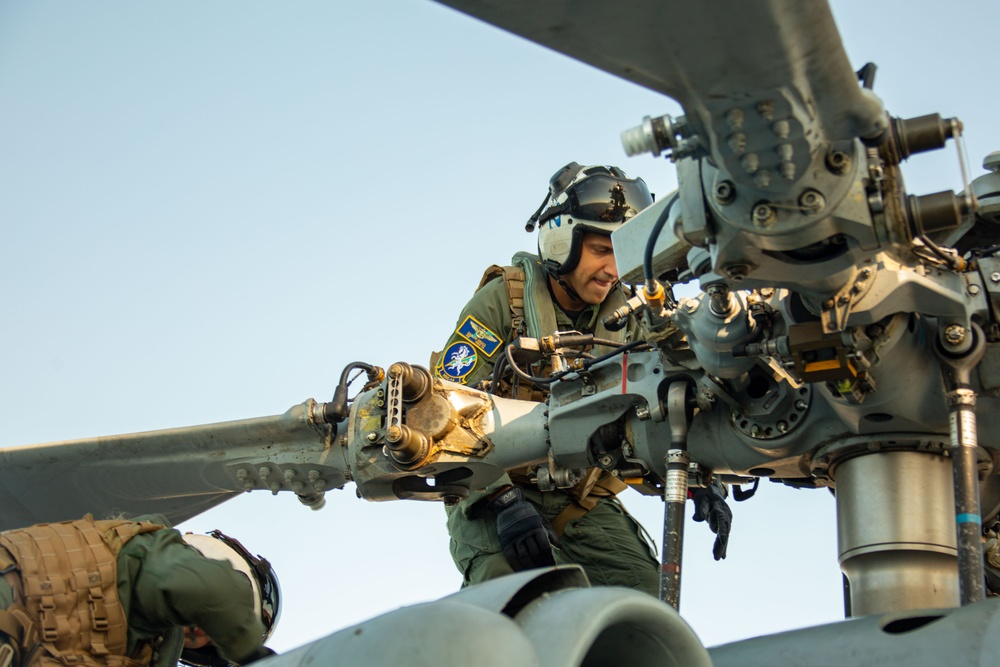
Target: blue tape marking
x=967, y=518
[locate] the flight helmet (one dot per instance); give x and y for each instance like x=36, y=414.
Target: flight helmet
x=263, y=582
x=583, y=199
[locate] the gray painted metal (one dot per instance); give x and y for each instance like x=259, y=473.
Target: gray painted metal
x=965, y=636
x=179, y=472
x=815, y=223
x=549, y=618
x=892, y=562
x=757, y=46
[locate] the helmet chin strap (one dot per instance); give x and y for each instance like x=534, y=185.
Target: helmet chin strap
x=553, y=270
x=570, y=291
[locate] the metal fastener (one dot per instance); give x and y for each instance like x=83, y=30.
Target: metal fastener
x=764, y=214
x=734, y=118
x=736, y=272
x=725, y=193
x=838, y=162
x=737, y=142
x=812, y=201
x=954, y=334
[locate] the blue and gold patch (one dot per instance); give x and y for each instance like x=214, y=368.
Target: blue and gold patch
x=458, y=360
x=476, y=333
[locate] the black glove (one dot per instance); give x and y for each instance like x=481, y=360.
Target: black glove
x=525, y=536
x=710, y=504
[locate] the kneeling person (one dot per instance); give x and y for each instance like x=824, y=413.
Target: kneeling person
x=120, y=593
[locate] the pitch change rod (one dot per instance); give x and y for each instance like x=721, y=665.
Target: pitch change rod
x=674, y=496
x=964, y=444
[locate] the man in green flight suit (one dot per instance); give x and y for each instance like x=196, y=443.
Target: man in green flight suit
x=570, y=286
x=131, y=593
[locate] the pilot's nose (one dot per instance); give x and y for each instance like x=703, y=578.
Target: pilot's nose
x=611, y=268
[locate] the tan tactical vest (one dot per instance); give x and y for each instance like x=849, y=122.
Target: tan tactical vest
x=533, y=314
x=66, y=610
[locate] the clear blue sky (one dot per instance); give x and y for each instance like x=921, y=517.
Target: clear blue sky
x=208, y=209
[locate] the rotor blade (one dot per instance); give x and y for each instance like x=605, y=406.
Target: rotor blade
x=178, y=472
x=709, y=56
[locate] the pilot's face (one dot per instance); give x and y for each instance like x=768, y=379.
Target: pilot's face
x=596, y=273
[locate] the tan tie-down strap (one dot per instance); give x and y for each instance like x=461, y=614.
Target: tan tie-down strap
x=67, y=584
x=595, y=485
x=21, y=635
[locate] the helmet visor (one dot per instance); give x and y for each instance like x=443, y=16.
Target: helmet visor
x=607, y=199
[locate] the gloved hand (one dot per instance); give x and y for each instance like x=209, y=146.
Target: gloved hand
x=526, y=537
x=710, y=504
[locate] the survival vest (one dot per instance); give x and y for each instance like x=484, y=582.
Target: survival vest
x=533, y=314
x=66, y=609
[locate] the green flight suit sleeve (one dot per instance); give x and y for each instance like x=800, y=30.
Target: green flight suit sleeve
x=488, y=307
x=470, y=353
x=171, y=584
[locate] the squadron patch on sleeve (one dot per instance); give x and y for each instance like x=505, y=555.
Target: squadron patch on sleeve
x=458, y=360
x=473, y=331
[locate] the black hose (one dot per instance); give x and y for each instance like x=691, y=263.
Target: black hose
x=508, y=353
x=336, y=410
x=607, y=343
x=497, y=374
x=647, y=259
x=619, y=350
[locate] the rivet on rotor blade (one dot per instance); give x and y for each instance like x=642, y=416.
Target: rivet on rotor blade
x=735, y=119
x=766, y=109
x=737, y=143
